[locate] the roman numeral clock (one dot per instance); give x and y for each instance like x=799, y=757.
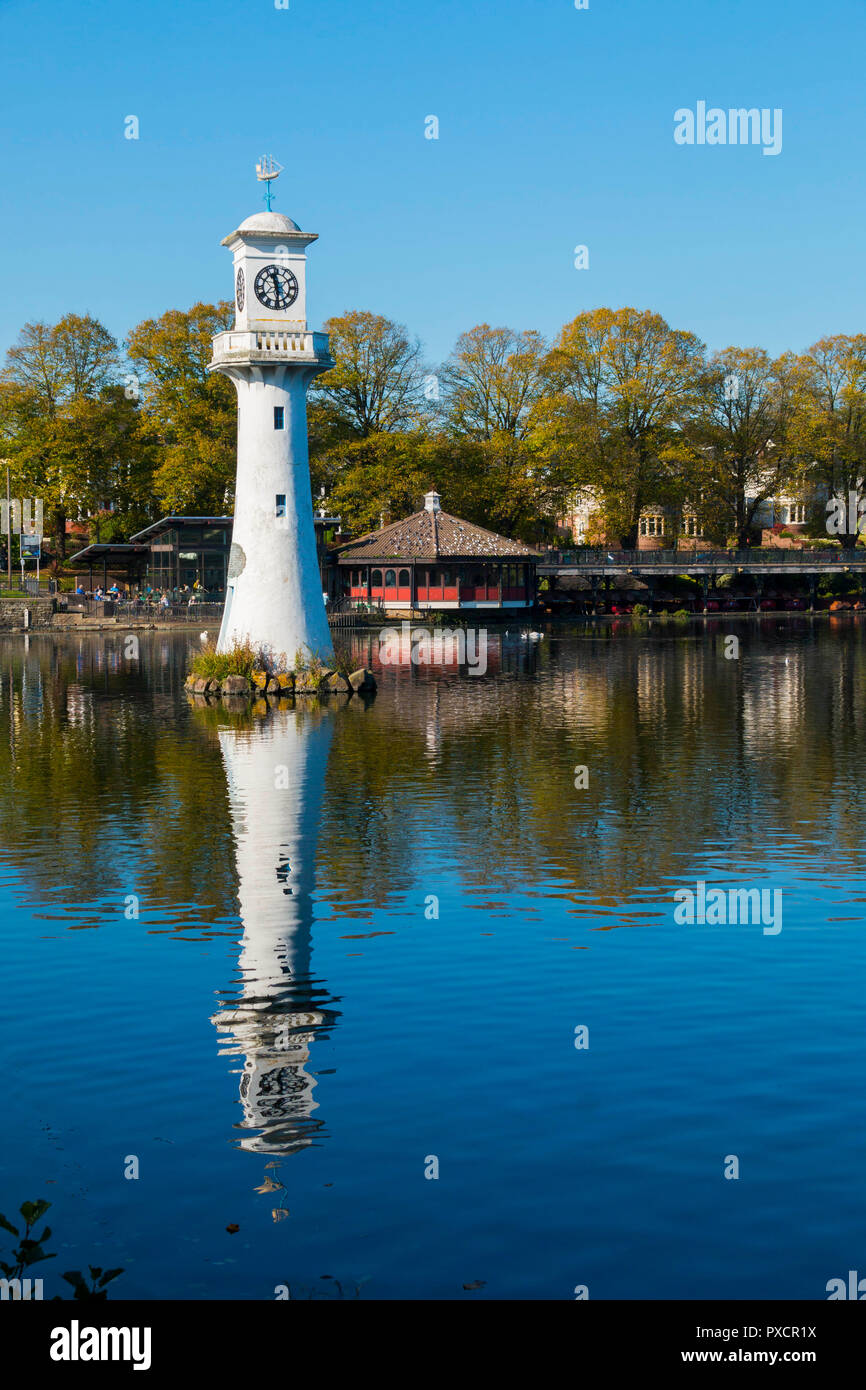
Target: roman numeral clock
x=273, y=590
x=276, y=288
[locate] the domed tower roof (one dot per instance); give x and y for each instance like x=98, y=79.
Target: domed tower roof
x=268, y=222
x=271, y=227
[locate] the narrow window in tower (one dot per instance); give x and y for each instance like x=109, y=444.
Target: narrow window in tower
x=279, y=417
x=281, y=504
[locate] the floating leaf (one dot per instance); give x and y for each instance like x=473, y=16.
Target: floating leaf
x=279, y=1213
x=232, y=1229
x=476, y=1284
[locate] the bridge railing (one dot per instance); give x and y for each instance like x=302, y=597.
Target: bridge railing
x=729, y=559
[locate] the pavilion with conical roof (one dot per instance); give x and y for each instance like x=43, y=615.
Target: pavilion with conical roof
x=437, y=561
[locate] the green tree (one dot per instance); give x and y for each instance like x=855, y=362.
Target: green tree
x=381, y=478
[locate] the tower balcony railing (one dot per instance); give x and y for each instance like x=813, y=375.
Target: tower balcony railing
x=269, y=345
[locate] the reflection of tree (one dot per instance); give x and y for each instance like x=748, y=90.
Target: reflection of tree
x=105, y=759
x=111, y=784
x=686, y=750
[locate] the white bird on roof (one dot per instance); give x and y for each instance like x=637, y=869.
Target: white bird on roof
x=202, y=636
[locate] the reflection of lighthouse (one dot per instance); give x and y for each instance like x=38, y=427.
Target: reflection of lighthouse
x=276, y=774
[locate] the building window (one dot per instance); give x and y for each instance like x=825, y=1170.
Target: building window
x=390, y=579
x=376, y=579
x=279, y=417
x=403, y=579
x=691, y=527
x=447, y=579
x=797, y=514
x=281, y=504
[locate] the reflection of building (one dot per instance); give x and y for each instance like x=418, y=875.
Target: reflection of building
x=774, y=703
x=431, y=560
x=275, y=775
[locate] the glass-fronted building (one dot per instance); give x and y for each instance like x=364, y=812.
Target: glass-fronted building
x=187, y=552
x=183, y=553
x=173, y=555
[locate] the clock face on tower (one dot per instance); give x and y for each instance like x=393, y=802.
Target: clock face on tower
x=275, y=287
x=239, y=290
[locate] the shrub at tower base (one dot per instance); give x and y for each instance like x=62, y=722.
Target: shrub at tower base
x=247, y=669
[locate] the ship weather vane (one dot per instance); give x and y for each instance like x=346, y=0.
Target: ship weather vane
x=267, y=170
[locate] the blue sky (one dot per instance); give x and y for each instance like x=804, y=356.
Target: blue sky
x=556, y=129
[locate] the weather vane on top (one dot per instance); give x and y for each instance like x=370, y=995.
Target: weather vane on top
x=267, y=170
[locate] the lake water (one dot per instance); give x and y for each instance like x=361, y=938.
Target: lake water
x=365, y=938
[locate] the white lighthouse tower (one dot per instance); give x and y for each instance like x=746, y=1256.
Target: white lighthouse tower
x=273, y=590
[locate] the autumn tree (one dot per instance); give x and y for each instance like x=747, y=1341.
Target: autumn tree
x=72, y=359
x=742, y=455
x=377, y=384
x=827, y=428
x=189, y=415
x=492, y=382
x=504, y=471
x=628, y=383
x=58, y=380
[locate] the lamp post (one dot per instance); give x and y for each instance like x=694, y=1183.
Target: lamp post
x=9, y=533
